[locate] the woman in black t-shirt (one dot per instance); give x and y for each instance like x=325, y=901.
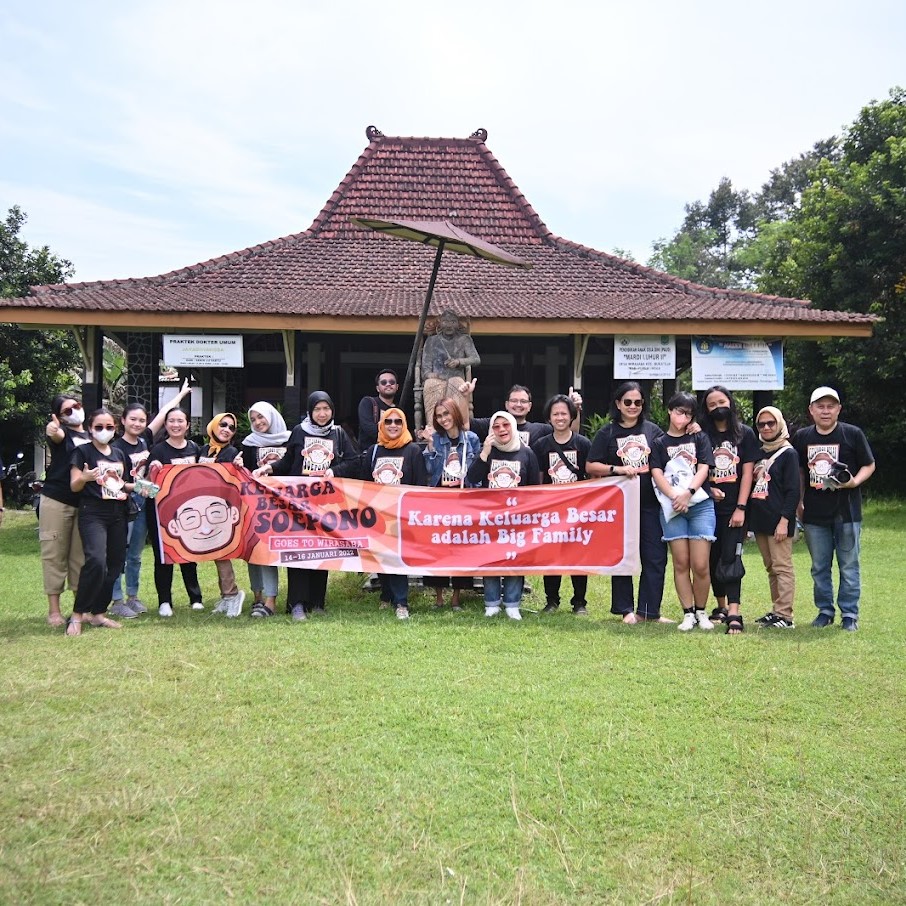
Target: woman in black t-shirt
x=176, y=449
x=98, y=473
x=61, y=546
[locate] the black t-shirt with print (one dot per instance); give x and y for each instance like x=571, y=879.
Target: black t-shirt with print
x=846, y=444
x=616, y=445
x=314, y=454
x=775, y=492
x=226, y=455
x=729, y=458
x=504, y=470
x=405, y=465
x=253, y=457
x=694, y=447
x=168, y=455
x=138, y=454
x=56, y=479
x=114, y=466
x=553, y=469
x=529, y=432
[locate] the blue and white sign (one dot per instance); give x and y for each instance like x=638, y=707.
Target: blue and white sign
x=743, y=363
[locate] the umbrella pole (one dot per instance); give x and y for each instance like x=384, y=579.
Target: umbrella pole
x=420, y=333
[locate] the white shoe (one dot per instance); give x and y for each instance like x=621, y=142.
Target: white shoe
x=221, y=606
x=197, y=605
x=491, y=611
x=165, y=610
x=513, y=613
x=703, y=621
x=688, y=622
x=402, y=613
x=234, y=604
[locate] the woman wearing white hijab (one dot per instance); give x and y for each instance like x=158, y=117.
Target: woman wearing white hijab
x=266, y=444
x=504, y=463
x=772, y=514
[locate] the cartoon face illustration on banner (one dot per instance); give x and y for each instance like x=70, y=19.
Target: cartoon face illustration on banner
x=201, y=513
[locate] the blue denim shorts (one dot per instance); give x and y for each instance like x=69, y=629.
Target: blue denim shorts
x=698, y=524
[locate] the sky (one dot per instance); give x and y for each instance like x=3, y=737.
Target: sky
x=144, y=137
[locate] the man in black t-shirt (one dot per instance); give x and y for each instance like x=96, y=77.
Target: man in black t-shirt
x=372, y=407
x=835, y=459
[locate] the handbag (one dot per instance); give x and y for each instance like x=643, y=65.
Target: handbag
x=731, y=570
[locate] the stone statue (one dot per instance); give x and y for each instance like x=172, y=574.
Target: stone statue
x=445, y=357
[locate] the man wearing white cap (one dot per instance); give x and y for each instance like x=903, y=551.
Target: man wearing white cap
x=835, y=459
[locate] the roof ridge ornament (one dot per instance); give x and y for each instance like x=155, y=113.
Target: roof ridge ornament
x=480, y=134
x=372, y=133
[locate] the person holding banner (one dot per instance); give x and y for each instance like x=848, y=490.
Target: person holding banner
x=735, y=451
x=504, y=464
x=394, y=460
x=266, y=444
x=680, y=463
x=624, y=448
x=449, y=453
x=316, y=447
x=176, y=449
x=561, y=457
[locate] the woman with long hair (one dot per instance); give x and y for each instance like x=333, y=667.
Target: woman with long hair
x=62, y=556
x=735, y=451
x=561, y=458
x=99, y=474
x=624, y=447
x=449, y=454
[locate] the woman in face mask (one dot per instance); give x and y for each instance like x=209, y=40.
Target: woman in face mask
x=735, y=451
x=61, y=547
x=98, y=473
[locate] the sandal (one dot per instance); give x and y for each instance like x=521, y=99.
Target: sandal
x=261, y=610
x=104, y=622
x=73, y=627
x=719, y=615
x=734, y=624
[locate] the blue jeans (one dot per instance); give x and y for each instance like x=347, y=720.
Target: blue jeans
x=842, y=539
x=653, y=554
x=264, y=578
x=511, y=590
x=138, y=535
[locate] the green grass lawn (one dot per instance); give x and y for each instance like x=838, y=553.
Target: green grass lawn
x=452, y=759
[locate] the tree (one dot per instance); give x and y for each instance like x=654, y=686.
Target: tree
x=37, y=363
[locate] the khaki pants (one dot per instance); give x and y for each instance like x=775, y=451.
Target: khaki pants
x=61, y=545
x=778, y=561
x=226, y=578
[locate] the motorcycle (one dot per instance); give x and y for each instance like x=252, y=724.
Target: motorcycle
x=21, y=488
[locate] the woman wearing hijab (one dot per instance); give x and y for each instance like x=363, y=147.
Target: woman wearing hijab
x=266, y=444
x=772, y=514
x=316, y=447
x=221, y=434
x=394, y=460
x=504, y=463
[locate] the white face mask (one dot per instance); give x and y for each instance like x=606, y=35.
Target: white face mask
x=76, y=417
x=104, y=436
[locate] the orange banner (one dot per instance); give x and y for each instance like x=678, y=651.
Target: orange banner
x=219, y=512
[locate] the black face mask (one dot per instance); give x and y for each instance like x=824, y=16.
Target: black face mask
x=720, y=414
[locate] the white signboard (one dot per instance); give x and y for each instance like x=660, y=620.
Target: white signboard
x=638, y=356
x=198, y=351
x=739, y=364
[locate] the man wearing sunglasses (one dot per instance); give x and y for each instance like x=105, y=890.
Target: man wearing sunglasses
x=519, y=403
x=371, y=408
x=835, y=460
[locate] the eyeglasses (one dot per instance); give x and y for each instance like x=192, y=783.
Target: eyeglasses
x=389, y=383
x=768, y=424
x=229, y=425
x=69, y=410
x=633, y=403
x=216, y=514
x=96, y=428
x=393, y=421
x=685, y=412
x=519, y=402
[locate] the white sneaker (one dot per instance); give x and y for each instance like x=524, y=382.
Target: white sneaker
x=165, y=610
x=197, y=605
x=703, y=621
x=402, y=613
x=513, y=613
x=221, y=606
x=491, y=611
x=234, y=604
x=687, y=623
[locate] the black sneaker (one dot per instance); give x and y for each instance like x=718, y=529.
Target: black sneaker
x=780, y=622
x=766, y=620
x=580, y=610
x=822, y=620
x=849, y=624
x=550, y=608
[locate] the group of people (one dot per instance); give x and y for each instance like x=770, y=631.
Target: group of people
x=705, y=481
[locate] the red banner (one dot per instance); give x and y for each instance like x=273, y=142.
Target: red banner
x=219, y=512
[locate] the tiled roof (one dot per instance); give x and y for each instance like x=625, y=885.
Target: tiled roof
x=341, y=269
